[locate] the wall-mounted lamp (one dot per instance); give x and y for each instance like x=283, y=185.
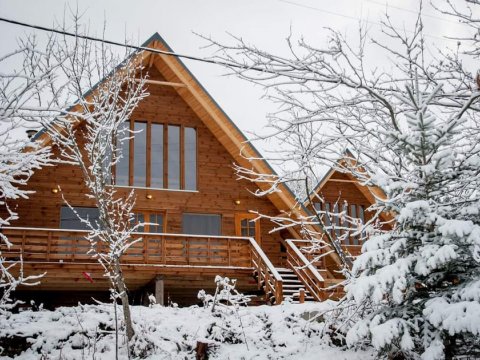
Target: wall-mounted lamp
x=54, y=190
x=149, y=196
x=237, y=202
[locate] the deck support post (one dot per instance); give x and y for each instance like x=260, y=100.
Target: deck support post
x=159, y=289
x=301, y=296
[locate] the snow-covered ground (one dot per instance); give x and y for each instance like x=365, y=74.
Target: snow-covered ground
x=263, y=332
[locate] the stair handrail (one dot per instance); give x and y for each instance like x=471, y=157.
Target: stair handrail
x=268, y=268
x=303, y=275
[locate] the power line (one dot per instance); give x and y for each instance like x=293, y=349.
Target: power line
x=356, y=18
x=133, y=47
x=412, y=11
x=170, y=53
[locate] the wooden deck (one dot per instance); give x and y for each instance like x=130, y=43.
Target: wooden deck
x=186, y=261
x=175, y=250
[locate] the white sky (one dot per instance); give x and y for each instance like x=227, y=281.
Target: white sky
x=265, y=23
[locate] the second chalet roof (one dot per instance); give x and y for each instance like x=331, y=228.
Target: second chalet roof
x=212, y=115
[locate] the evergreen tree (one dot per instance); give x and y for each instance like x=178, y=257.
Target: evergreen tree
x=423, y=276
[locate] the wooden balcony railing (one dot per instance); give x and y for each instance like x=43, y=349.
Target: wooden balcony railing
x=268, y=276
x=53, y=245
x=71, y=246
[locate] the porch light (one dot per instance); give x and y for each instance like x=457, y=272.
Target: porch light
x=149, y=196
x=54, y=190
x=237, y=202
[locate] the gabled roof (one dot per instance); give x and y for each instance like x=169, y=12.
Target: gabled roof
x=370, y=192
x=212, y=115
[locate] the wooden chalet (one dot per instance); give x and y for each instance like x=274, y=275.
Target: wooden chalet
x=341, y=192
x=180, y=165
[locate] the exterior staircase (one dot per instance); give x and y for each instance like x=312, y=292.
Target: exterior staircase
x=278, y=283
x=292, y=286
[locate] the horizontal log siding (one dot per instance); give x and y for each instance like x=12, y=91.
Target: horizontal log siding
x=217, y=185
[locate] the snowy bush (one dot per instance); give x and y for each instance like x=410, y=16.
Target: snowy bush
x=225, y=295
x=84, y=332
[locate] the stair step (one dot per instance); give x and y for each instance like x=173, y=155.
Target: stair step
x=285, y=271
x=292, y=275
x=297, y=302
x=294, y=291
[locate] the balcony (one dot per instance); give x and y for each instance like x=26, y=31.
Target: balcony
x=57, y=250
x=71, y=246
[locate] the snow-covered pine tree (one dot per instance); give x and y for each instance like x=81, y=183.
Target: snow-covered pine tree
x=423, y=276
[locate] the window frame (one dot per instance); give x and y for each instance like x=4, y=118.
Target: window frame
x=361, y=213
x=247, y=216
x=148, y=182
x=146, y=215
x=76, y=218
x=202, y=214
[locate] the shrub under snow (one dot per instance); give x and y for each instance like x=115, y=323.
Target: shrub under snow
x=279, y=332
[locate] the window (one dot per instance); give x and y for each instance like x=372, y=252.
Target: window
x=333, y=221
x=245, y=226
x=154, y=222
x=173, y=157
x=70, y=221
x=157, y=156
x=190, y=152
x=140, y=155
x=123, y=151
x=202, y=224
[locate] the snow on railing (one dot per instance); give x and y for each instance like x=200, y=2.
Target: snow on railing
x=58, y=245
x=306, y=271
x=268, y=276
x=72, y=246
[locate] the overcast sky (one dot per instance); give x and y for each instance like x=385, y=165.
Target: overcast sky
x=265, y=23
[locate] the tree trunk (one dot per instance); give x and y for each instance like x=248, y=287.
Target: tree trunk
x=122, y=290
x=201, y=351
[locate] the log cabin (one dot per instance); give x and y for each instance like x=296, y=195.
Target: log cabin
x=340, y=192
x=180, y=165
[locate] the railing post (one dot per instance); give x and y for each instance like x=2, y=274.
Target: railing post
x=49, y=245
x=209, y=258
x=145, y=249
x=278, y=292
x=24, y=239
x=301, y=296
x=229, y=252
x=162, y=249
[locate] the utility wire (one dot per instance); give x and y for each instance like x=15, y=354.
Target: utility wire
x=169, y=53
x=133, y=47
x=355, y=18
x=387, y=5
